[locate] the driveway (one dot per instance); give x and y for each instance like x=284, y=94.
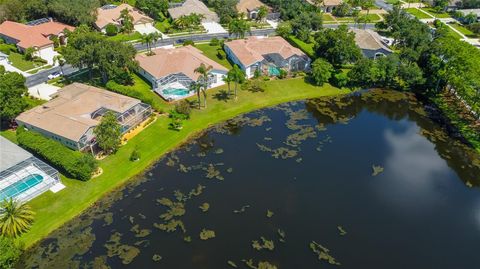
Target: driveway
x=213, y=27
x=43, y=91
x=146, y=29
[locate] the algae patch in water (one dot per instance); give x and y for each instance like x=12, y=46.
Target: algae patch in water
x=281, y=234
x=341, y=230
x=265, y=244
x=140, y=232
x=232, y=264
x=323, y=253
x=204, y=207
x=241, y=210
x=261, y=265
x=269, y=213
x=377, y=169
x=156, y=258
x=114, y=248
x=207, y=234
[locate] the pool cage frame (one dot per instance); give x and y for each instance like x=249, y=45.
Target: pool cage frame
x=19, y=171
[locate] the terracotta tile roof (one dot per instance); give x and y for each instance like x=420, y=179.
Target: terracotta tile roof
x=193, y=6
x=107, y=16
x=176, y=60
x=368, y=39
x=68, y=115
x=248, y=5
x=252, y=49
x=327, y=2
x=35, y=35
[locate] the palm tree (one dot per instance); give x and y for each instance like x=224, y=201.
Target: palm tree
x=238, y=28
x=238, y=76
x=147, y=39
x=60, y=60
x=204, y=72
x=155, y=37
x=262, y=13
x=194, y=86
x=228, y=79
x=15, y=218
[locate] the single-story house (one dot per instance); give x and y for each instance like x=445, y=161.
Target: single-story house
x=266, y=54
x=110, y=14
x=171, y=71
x=475, y=11
x=327, y=5
x=37, y=34
x=22, y=175
x=250, y=8
x=72, y=115
x=371, y=43
x=193, y=6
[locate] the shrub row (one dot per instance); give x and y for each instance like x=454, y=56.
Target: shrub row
x=125, y=90
x=73, y=163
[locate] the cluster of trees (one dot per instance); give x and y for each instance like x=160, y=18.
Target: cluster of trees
x=12, y=92
x=225, y=9
x=155, y=9
x=74, y=163
x=112, y=59
x=190, y=21
x=73, y=12
x=108, y=133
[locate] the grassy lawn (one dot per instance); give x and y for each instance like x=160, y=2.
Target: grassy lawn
x=162, y=26
x=53, y=210
x=305, y=47
x=327, y=17
x=392, y=2
x=126, y=37
x=213, y=52
x=369, y=18
x=418, y=14
x=464, y=30
x=453, y=33
x=435, y=13
x=17, y=60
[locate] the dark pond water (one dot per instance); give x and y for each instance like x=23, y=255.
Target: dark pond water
x=298, y=179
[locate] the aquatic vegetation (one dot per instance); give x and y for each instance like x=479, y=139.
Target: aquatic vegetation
x=296, y=139
x=140, y=232
x=219, y=151
x=171, y=226
x=265, y=244
x=261, y=265
x=187, y=239
x=269, y=213
x=182, y=168
x=196, y=192
x=281, y=234
x=232, y=264
x=229, y=170
x=212, y=172
x=207, y=234
x=175, y=209
x=469, y=184
x=284, y=153
x=323, y=253
x=341, y=230
x=156, y=258
x=376, y=170
x=267, y=138
x=242, y=209
x=108, y=218
x=114, y=248
x=204, y=207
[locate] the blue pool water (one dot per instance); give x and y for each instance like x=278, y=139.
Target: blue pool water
x=20, y=186
x=273, y=71
x=175, y=91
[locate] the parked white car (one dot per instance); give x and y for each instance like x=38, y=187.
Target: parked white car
x=54, y=75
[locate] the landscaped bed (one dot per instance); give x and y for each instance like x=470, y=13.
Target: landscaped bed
x=213, y=52
x=53, y=210
x=418, y=13
x=433, y=12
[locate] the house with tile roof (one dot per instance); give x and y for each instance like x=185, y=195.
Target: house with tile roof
x=371, y=43
x=193, y=6
x=38, y=36
x=326, y=5
x=266, y=54
x=72, y=115
x=250, y=8
x=171, y=71
x=110, y=14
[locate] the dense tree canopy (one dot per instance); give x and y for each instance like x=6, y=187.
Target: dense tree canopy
x=112, y=59
x=108, y=133
x=12, y=90
x=153, y=8
x=337, y=46
x=9, y=252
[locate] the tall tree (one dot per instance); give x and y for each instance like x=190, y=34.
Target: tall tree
x=337, y=46
x=322, y=70
x=238, y=28
x=12, y=90
x=127, y=21
x=238, y=76
x=204, y=72
x=262, y=13
x=108, y=133
x=15, y=218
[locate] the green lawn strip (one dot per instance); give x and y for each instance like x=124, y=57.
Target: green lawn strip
x=305, y=47
x=462, y=29
x=213, y=52
x=162, y=26
x=369, y=17
x=17, y=61
x=392, y=2
x=436, y=14
x=417, y=13
x=126, y=37
x=53, y=210
x=454, y=34
x=327, y=17
x=10, y=135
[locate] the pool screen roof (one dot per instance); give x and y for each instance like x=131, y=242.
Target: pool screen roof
x=11, y=154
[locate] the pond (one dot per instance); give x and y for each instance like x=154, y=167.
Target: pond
x=359, y=181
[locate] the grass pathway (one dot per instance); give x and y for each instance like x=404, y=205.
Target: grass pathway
x=53, y=210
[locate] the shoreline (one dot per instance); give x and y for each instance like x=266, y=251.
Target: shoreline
x=54, y=210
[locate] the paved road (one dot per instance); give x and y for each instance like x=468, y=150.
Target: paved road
x=384, y=5
x=42, y=76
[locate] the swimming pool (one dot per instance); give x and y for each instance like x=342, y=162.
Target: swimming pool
x=273, y=71
x=175, y=91
x=21, y=186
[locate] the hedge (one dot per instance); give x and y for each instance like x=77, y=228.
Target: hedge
x=118, y=88
x=73, y=163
